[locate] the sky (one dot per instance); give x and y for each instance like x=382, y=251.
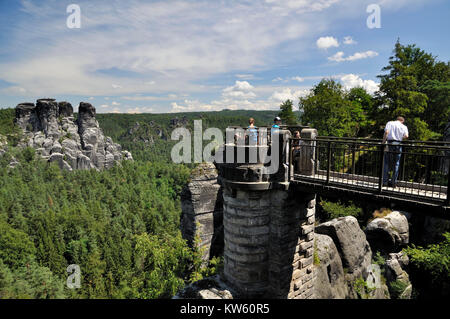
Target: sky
x=181, y=56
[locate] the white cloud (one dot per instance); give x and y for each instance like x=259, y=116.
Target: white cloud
x=327, y=42
x=300, y=6
x=138, y=110
x=339, y=56
x=349, y=40
x=245, y=76
x=362, y=55
x=14, y=90
x=270, y=99
x=351, y=80
x=241, y=89
x=298, y=79
x=288, y=93
x=114, y=103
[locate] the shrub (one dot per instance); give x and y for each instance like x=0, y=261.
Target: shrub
x=430, y=267
x=336, y=209
x=396, y=288
x=28, y=154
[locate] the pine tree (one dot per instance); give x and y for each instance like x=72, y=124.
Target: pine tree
x=287, y=114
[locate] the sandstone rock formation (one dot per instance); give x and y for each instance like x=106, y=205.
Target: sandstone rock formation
x=351, y=244
x=208, y=288
x=50, y=128
x=3, y=144
x=344, y=259
x=202, y=211
x=389, y=233
x=176, y=122
x=397, y=277
x=329, y=282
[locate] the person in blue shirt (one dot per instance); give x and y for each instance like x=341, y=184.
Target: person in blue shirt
x=252, y=132
x=276, y=125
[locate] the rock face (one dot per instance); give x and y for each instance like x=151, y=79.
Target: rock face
x=208, y=288
x=329, y=282
x=397, y=277
x=202, y=211
x=389, y=233
x=351, y=244
x=3, y=144
x=50, y=128
x=344, y=262
x=176, y=122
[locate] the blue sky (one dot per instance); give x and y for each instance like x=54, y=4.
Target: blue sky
x=176, y=56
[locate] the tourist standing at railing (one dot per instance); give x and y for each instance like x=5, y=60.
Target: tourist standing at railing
x=252, y=132
x=276, y=125
x=296, y=143
x=394, y=133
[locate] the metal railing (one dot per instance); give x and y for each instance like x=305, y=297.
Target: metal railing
x=361, y=163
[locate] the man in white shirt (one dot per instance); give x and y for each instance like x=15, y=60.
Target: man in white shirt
x=394, y=133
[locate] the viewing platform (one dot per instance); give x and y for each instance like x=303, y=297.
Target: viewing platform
x=339, y=167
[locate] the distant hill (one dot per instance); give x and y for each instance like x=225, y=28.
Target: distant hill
x=147, y=136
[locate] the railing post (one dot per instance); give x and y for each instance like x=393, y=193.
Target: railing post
x=428, y=170
x=380, y=177
x=316, y=157
x=403, y=163
x=307, y=151
x=353, y=158
x=329, y=163
x=447, y=200
x=291, y=154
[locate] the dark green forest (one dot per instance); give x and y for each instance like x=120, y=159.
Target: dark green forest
x=121, y=226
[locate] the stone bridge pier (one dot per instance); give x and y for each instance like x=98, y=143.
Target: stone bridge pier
x=268, y=229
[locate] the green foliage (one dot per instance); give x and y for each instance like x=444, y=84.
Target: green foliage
x=316, y=259
x=336, y=209
x=396, y=288
x=361, y=288
x=431, y=267
x=120, y=225
x=156, y=258
x=28, y=154
x=16, y=246
x=330, y=110
x=7, y=127
x=29, y=281
x=286, y=114
x=379, y=260
x=363, y=110
x=416, y=87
